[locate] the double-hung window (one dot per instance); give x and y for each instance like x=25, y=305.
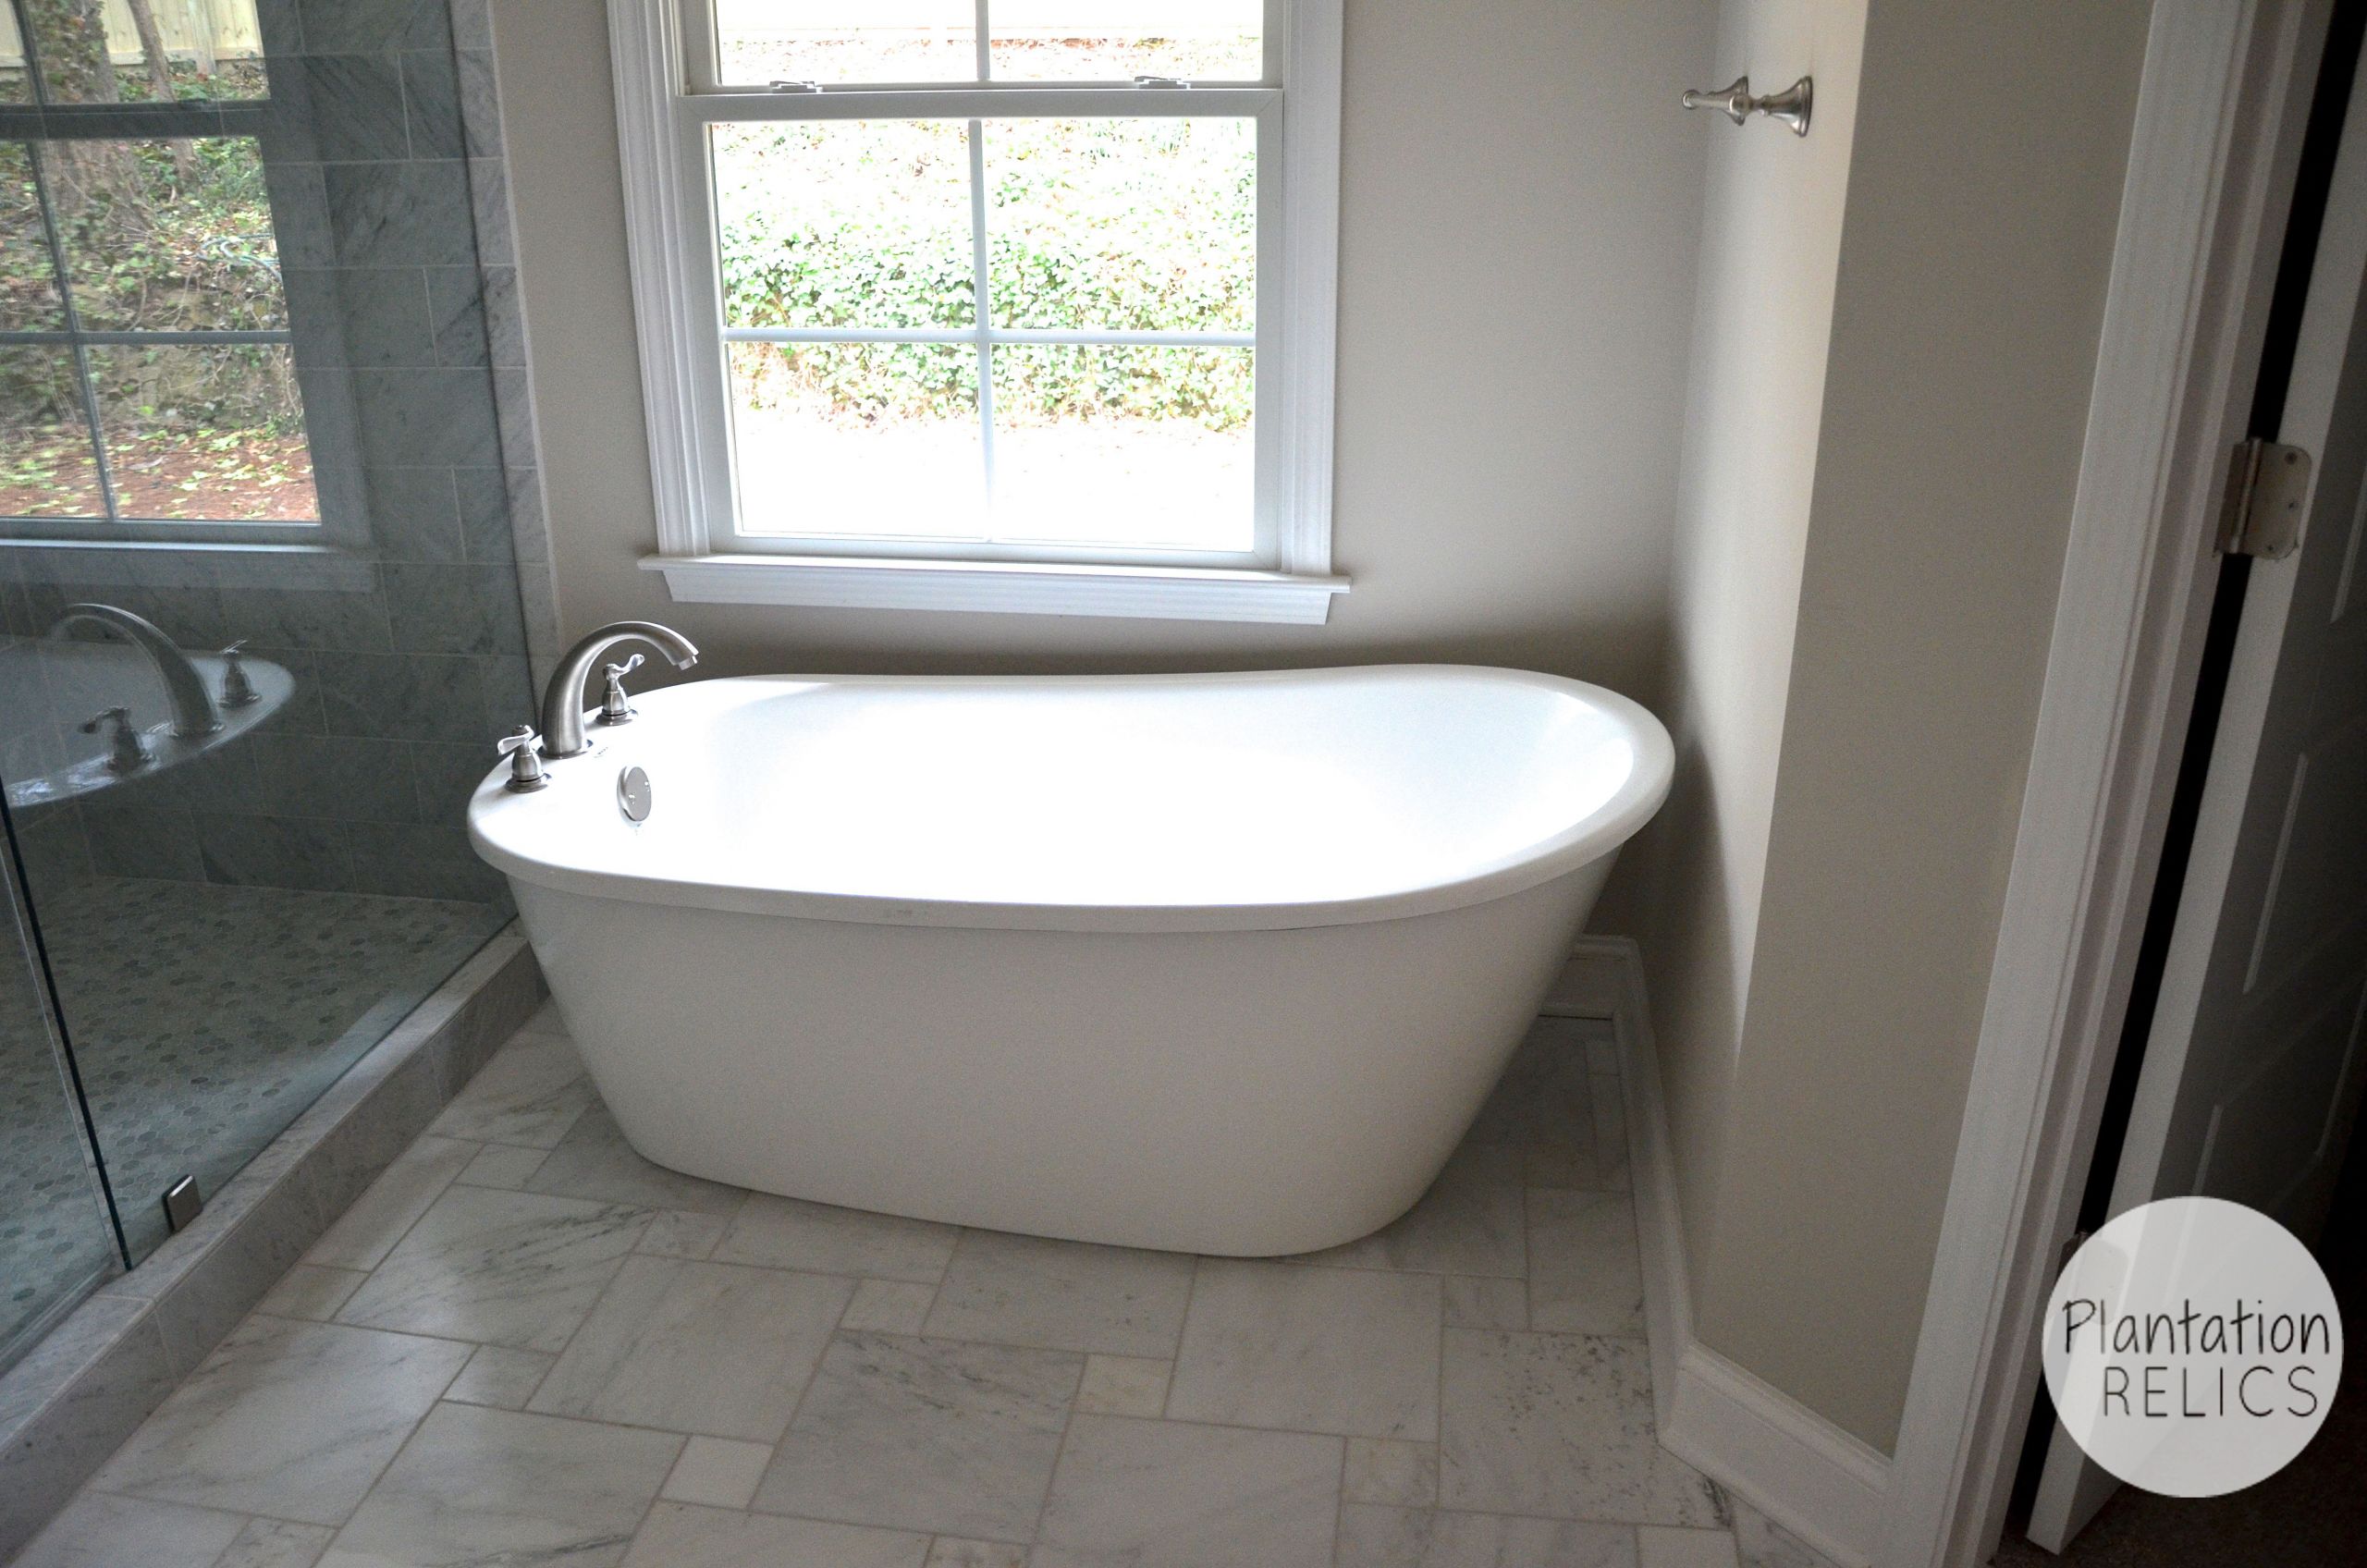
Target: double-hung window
x=988, y=304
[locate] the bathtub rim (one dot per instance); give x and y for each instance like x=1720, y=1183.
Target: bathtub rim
x=1595, y=835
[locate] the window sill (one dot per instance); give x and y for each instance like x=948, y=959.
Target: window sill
x=147, y=563
x=1157, y=593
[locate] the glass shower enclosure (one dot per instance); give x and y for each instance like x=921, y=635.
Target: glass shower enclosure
x=259, y=606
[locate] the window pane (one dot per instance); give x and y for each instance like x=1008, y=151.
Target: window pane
x=28, y=301
x=166, y=236
x=1124, y=447
x=47, y=465
x=845, y=223
x=858, y=439
x=1125, y=225
x=214, y=433
x=15, y=80
x=91, y=52
x=1119, y=40
x=836, y=41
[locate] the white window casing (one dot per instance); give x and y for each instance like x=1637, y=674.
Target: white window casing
x=667, y=98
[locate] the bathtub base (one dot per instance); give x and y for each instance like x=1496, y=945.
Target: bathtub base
x=1241, y=1093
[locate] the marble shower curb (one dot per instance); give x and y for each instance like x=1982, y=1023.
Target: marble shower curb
x=80, y=1393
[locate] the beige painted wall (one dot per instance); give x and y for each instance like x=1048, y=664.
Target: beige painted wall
x=1519, y=207
x=1967, y=308
x=1770, y=243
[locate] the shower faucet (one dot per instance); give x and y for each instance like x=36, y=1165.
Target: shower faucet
x=563, y=703
x=193, y=710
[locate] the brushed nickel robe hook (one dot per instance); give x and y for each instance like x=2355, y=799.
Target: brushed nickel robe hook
x=1788, y=107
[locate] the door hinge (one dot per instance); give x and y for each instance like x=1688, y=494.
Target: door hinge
x=2268, y=483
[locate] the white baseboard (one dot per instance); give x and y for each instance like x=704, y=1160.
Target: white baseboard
x=1804, y=1473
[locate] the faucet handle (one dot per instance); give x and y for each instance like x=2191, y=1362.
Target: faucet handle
x=614, y=707
x=238, y=691
x=127, y=749
x=525, y=763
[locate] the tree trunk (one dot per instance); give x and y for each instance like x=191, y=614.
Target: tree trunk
x=160, y=77
x=70, y=36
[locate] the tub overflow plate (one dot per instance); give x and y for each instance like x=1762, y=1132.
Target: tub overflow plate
x=633, y=794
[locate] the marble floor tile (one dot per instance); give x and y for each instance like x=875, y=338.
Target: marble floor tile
x=1660, y=1547
x=892, y=1306
x=716, y=1348
x=286, y=1418
x=489, y=1488
x=512, y=1269
x=1124, y=1385
x=674, y=1233
x=791, y=1234
x=947, y=1551
x=924, y=1435
x=306, y=1291
x=1384, y=1470
x=1560, y=1425
x=1760, y=1542
x=1373, y=1535
x=1585, y=1275
x=275, y=1543
x=717, y=1472
x=1312, y=1350
x=1061, y=1295
x=530, y=1093
x=593, y=1161
x=503, y=1165
x=1480, y=1302
x=1170, y=1494
x=101, y=1531
x=684, y=1537
x=1543, y=1107
x=501, y=1377
x=365, y=1233
x=1469, y=1223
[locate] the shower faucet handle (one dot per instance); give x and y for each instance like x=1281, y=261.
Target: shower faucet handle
x=526, y=773
x=238, y=691
x=614, y=706
x=127, y=748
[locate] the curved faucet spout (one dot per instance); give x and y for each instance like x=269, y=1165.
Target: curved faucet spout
x=563, y=703
x=193, y=710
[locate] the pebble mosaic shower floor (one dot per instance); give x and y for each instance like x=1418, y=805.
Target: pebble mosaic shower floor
x=524, y=1343
x=203, y=1018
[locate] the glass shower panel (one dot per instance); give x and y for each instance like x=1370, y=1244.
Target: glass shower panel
x=266, y=610
x=55, y=1239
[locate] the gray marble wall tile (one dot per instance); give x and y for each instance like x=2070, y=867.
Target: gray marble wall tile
x=1313, y=1349
x=1372, y=1536
x=414, y=213
x=144, y=843
x=472, y=24
x=413, y=514
x=1169, y=1494
x=926, y=1435
x=381, y=315
x=264, y=1237
x=513, y=404
x=790, y=1233
x=425, y=417
x=446, y=777
x=697, y=1347
x=100, y=1531
x=498, y=1267
x=681, y=1536
x=422, y=860
x=455, y=295
x=595, y=1161
x=486, y=508
x=336, y=26
x=275, y=851
x=1061, y=1295
x=432, y=103
x=402, y=696
x=1561, y=1426
x=349, y=779
x=352, y=618
x=355, y=102
x=494, y=1488
x=290, y=1419
x=489, y=201
x=455, y=609
x=480, y=101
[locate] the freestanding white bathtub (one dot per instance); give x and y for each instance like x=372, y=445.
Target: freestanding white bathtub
x=1220, y=963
